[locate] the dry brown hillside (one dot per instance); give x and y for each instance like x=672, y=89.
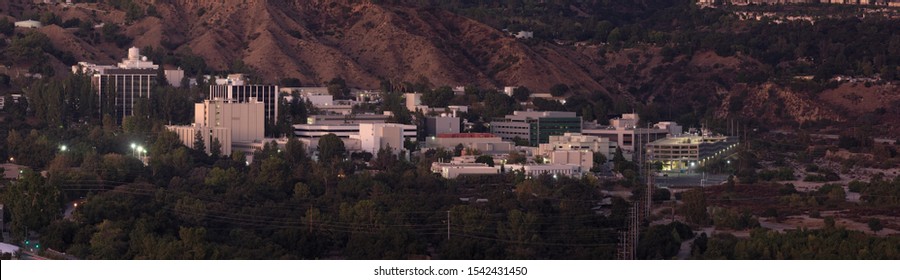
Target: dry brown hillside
x=366, y=43
x=319, y=40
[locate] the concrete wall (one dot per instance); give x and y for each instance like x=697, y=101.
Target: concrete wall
x=187, y=135
x=245, y=120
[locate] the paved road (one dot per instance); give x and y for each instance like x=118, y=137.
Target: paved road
x=690, y=180
x=28, y=255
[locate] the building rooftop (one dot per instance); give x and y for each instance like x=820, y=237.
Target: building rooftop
x=11, y=170
x=689, y=140
x=541, y=114
x=466, y=135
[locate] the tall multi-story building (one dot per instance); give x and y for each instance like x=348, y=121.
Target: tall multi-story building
x=235, y=88
x=376, y=136
x=229, y=123
x=626, y=133
x=244, y=120
x=535, y=127
x=119, y=87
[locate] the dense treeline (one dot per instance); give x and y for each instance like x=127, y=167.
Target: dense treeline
x=283, y=205
x=829, y=243
x=182, y=203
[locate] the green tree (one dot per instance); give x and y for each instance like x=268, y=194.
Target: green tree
x=133, y=11
x=49, y=18
x=32, y=202
x=438, y=98
x=6, y=27
x=29, y=48
x=301, y=191
x=694, y=208
x=337, y=87
x=331, y=148
x=215, y=149
x=290, y=82
x=522, y=229
x=194, y=244
x=273, y=176
x=559, y=90
x=519, y=141
x=108, y=242
x=521, y=93
x=458, y=149
x=199, y=143
x=875, y=224
x=486, y=159
x=516, y=158
x=599, y=160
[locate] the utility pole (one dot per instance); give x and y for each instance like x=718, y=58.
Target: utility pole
x=635, y=233
x=628, y=240
x=650, y=175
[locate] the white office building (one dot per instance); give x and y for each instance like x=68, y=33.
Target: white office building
x=347, y=119
x=413, y=101
x=441, y=124
x=583, y=158
x=454, y=170
x=376, y=136
x=230, y=123
x=570, y=170
x=174, y=77
x=353, y=134
x=485, y=143
x=579, y=143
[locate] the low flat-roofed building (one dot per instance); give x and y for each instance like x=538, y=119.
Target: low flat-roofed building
x=579, y=142
x=12, y=171
x=485, y=143
x=340, y=107
x=441, y=124
x=29, y=24
x=188, y=135
x=688, y=151
x=582, y=158
x=347, y=119
x=316, y=131
x=453, y=170
x=570, y=170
